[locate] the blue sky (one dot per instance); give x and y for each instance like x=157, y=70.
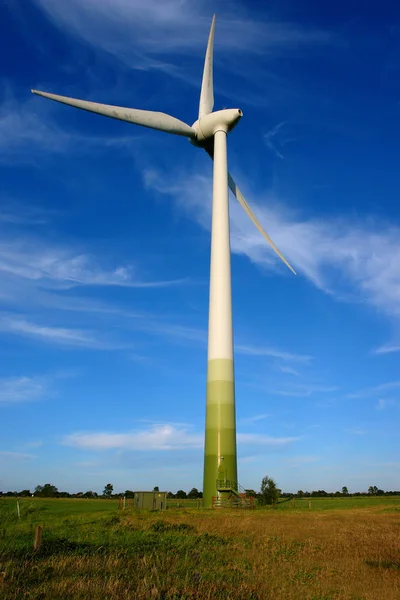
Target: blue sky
x=105, y=233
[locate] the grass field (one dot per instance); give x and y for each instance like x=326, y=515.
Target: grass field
x=339, y=549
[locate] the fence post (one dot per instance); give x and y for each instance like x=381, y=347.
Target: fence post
x=38, y=538
x=309, y=504
x=18, y=511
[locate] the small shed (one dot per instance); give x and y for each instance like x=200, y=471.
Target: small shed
x=151, y=500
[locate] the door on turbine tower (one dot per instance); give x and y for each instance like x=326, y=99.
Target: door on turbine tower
x=221, y=474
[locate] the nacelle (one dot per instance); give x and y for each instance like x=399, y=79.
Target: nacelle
x=221, y=120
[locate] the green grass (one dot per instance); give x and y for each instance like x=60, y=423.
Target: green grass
x=341, y=548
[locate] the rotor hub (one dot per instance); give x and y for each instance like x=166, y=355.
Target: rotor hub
x=221, y=120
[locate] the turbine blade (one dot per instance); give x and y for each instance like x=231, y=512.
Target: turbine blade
x=240, y=198
x=145, y=118
x=207, y=86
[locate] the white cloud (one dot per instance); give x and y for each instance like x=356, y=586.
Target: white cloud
x=375, y=390
x=17, y=214
x=384, y=403
x=387, y=349
x=142, y=33
x=356, y=431
x=254, y=419
x=58, y=266
x=271, y=139
x=14, y=390
x=264, y=440
x=172, y=331
x=199, y=336
x=298, y=461
x=162, y=437
x=14, y=456
x=37, y=275
x=353, y=260
x=27, y=129
x=289, y=370
x=21, y=126
x=58, y=335
x=272, y=352
x=305, y=390
x=156, y=437
x=33, y=444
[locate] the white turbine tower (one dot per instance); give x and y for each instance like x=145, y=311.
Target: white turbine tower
x=208, y=132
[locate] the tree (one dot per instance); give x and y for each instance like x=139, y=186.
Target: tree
x=24, y=493
x=345, y=491
x=129, y=494
x=89, y=494
x=108, y=490
x=156, y=488
x=46, y=491
x=181, y=495
x=194, y=493
x=269, y=492
x=300, y=494
x=373, y=490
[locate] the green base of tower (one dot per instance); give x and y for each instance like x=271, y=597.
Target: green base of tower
x=220, y=460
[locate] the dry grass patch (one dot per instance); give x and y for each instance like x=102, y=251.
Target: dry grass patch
x=259, y=555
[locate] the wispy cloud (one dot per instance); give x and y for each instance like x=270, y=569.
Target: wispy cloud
x=15, y=456
x=387, y=349
x=175, y=331
x=289, y=370
x=357, y=260
x=254, y=419
x=272, y=352
x=162, y=437
x=15, y=213
x=33, y=444
x=52, y=265
x=384, y=403
x=27, y=130
x=15, y=390
x=265, y=440
x=375, y=390
x=58, y=335
x=156, y=437
x=298, y=461
x=38, y=275
x=356, y=431
x=137, y=32
x=21, y=127
x=272, y=141
x=305, y=390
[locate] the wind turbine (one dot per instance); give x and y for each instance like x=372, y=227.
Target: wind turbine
x=208, y=132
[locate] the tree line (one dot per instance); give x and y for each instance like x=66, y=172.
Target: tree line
x=49, y=490
x=269, y=493
x=373, y=490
